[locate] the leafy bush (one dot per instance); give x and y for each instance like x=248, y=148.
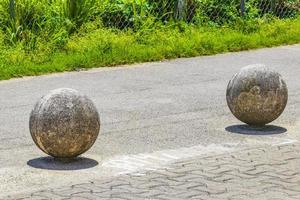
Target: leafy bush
x=39, y=24
x=131, y=13
x=217, y=11
x=119, y=13
x=78, y=12
x=22, y=19
x=174, y=10
x=279, y=8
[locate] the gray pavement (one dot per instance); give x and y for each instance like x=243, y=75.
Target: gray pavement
x=152, y=115
x=257, y=174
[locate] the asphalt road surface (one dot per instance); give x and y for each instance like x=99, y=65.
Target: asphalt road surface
x=151, y=114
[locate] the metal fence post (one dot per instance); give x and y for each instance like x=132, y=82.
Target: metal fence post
x=180, y=10
x=242, y=7
x=12, y=9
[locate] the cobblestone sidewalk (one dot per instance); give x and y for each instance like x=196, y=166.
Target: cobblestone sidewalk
x=271, y=172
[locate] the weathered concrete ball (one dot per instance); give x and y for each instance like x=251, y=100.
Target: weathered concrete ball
x=64, y=123
x=257, y=95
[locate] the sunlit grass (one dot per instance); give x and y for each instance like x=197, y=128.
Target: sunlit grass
x=103, y=47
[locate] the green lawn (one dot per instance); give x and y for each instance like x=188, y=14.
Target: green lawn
x=98, y=47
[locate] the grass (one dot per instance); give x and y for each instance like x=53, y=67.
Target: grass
x=98, y=47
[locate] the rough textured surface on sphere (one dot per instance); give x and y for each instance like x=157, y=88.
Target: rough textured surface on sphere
x=64, y=123
x=257, y=95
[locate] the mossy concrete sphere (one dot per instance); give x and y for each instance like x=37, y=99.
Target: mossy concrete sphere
x=257, y=95
x=64, y=123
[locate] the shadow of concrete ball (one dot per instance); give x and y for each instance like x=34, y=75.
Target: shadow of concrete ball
x=64, y=123
x=257, y=95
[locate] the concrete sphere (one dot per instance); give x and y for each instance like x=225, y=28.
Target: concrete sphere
x=257, y=95
x=64, y=123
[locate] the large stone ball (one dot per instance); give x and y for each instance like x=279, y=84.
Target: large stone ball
x=257, y=95
x=64, y=123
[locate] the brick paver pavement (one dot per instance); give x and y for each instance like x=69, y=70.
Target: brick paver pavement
x=270, y=172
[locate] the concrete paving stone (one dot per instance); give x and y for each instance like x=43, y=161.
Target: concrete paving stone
x=188, y=177
x=66, y=192
x=87, y=195
x=151, y=185
x=168, y=197
x=48, y=194
x=188, y=194
x=77, y=198
x=169, y=181
x=152, y=193
x=125, y=195
x=17, y=197
x=91, y=188
x=287, y=191
x=205, y=174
